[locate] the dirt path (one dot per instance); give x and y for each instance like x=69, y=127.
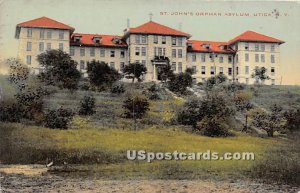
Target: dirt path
x=36, y=179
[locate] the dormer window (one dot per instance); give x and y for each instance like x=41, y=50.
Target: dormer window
x=116, y=40
x=207, y=46
x=77, y=39
x=189, y=45
x=97, y=40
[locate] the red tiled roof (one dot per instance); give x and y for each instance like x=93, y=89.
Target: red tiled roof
x=156, y=28
x=255, y=37
x=45, y=22
x=106, y=40
x=216, y=47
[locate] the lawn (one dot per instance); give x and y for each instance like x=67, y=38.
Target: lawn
x=103, y=150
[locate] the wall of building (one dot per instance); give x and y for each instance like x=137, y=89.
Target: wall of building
x=32, y=43
x=247, y=64
x=206, y=65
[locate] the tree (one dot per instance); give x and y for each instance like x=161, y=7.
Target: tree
x=18, y=73
x=59, y=118
x=134, y=71
x=135, y=107
x=190, y=71
x=243, y=104
x=215, y=80
x=59, y=69
x=101, y=75
x=259, y=74
x=179, y=83
x=87, y=105
x=269, y=121
x=166, y=73
x=292, y=119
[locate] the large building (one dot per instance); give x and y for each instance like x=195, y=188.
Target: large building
x=154, y=45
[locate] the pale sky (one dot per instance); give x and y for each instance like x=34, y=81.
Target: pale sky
x=109, y=17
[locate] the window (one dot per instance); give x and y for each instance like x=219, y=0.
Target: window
x=212, y=57
x=246, y=69
x=173, y=67
x=221, y=70
x=256, y=58
x=237, y=70
x=273, y=82
x=272, y=59
x=81, y=64
x=137, y=39
x=122, y=65
x=272, y=71
x=42, y=34
x=256, y=47
x=179, y=41
x=173, y=53
x=112, y=65
x=202, y=57
x=212, y=70
x=61, y=35
x=28, y=46
x=28, y=59
x=29, y=32
x=102, y=53
x=229, y=71
x=143, y=51
x=82, y=52
x=155, y=39
x=137, y=61
x=173, y=41
x=92, y=51
x=246, y=46
x=72, y=51
x=179, y=67
x=237, y=58
x=247, y=80
x=247, y=57
x=179, y=53
x=272, y=48
x=144, y=39
x=41, y=46
x=122, y=54
x=229, y=59
x=203, y=79
x=194, y=69
x=49, y=34
x=262, y=58
x=262, y=47
x=160, y=51
x=112, y=53
x=48, y=46
x=163, y=39
x=137, y=51
x=202, y=69
x=194, y=57
x=221, y=59
x=144, y=62
x=61, y=46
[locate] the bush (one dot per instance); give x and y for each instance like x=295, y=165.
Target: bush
x=87, y=106
x=117, y=88
x=135, y=106
x=212, y=127
x=153, y=92
x=59, y=118
x=179, y=83
x=292, y=119
x=10, y=112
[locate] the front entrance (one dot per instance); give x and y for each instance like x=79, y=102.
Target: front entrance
x=159, y=71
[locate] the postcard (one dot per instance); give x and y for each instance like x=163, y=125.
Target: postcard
x=149, y=96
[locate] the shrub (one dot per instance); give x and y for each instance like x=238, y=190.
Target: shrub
x=153, y=92
x=292, y=119
x=87, y=106
x=117, y=88
x=215, y=80
x=135, y=106
x=179, y=83
x=10, y=112
x=212, y=127
x=59, y=118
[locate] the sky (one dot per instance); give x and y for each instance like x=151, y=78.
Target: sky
x=223, y=21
